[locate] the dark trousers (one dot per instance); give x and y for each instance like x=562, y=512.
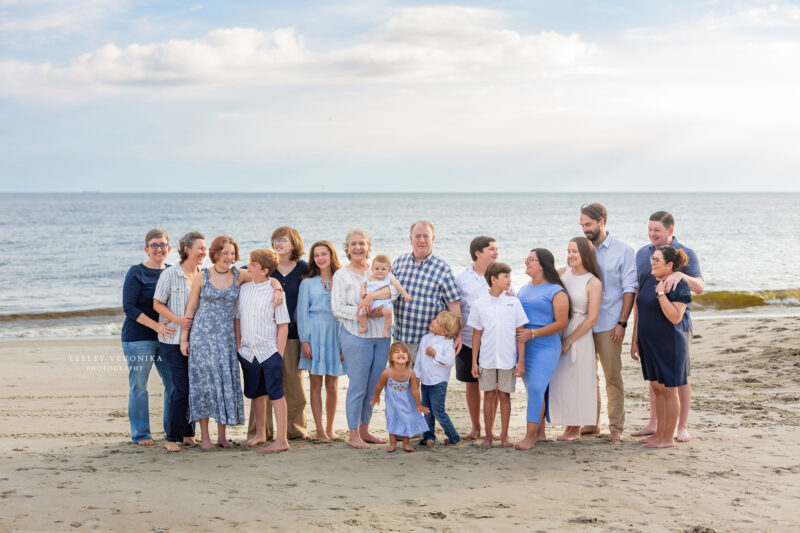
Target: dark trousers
x=179, y=426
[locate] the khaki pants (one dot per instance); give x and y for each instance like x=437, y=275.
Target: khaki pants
x=610, y=356
x=294, y=393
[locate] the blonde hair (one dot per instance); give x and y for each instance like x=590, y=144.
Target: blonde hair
x=382, y=258
x=451, y=323
x=399, y=347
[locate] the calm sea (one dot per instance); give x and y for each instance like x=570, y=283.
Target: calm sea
x=68, y=253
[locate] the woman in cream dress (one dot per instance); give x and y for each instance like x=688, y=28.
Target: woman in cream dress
x=573, y=387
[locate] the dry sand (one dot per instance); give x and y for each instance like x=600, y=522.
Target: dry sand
x=67, y=464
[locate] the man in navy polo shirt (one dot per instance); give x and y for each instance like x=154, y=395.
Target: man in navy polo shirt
x=660, y=231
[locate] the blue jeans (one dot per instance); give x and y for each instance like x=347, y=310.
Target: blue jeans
x=140, y=356
x=365, y=358
x=433, y=397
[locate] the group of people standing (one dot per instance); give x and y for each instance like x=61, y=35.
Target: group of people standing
x=283, y=316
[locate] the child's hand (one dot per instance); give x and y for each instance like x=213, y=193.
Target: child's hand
x=422, y=409
x=375, y=400
x=519, y=371
x=430, y=351
x=407, y=297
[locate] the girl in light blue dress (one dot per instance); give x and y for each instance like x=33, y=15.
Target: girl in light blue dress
x=318, y=330
x=404, y=409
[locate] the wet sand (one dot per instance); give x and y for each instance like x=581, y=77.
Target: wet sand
x=67, y=463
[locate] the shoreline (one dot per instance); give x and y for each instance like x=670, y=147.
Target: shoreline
x=65, y=447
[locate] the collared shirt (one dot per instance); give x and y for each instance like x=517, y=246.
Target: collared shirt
x=498, y=318
x=471, y=285
x=172, y=290
x=436, y=369
x=431, y=284
x=345, y=297
x=691, y=269
x=258, y=320
x=618, y=268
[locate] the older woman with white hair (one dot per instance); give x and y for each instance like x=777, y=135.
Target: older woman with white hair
x=364, y=353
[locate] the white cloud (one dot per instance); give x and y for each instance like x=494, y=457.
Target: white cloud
x=26, y=16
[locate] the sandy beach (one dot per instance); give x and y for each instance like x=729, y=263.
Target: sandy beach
x=67, y=463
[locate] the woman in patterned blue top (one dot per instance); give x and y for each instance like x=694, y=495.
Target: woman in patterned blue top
x=659, y=343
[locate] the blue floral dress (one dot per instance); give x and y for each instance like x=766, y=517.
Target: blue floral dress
x=402, y=417
x=215, y=389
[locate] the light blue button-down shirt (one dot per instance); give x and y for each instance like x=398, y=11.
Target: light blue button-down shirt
x=618, y=268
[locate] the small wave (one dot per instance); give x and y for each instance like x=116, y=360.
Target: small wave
x=745, y=299
x=104, y=329
x=63, y=315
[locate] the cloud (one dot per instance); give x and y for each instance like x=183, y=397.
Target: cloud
x=429, y=45
x=33, y=16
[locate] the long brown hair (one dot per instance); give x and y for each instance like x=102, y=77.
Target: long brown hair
x=313, y=268
x=588, y=257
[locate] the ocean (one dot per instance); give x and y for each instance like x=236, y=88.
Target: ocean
x=67, y=254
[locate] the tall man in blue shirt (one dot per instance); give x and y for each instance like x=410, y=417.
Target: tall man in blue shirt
x=618, y=269
x=660, y=230
x=431, y=284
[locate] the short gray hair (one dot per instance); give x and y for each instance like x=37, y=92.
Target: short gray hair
x=357, y=231
x=187, y=241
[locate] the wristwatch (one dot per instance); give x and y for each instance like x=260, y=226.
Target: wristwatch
x=660, y=293
x=623, y=324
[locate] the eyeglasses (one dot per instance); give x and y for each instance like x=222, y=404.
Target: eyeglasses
x=282, y=240
x=655, y=260
x=157, y=245
x=530, y=259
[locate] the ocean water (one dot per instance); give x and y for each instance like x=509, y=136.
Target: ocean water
x=66, y=253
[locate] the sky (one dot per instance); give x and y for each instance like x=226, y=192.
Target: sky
x=326, y=96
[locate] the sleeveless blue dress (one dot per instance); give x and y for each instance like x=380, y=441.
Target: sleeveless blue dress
x=541, y=353
x=402, y=417
x=215, y=389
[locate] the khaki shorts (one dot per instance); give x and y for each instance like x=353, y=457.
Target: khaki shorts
x=688, y=335
x=497, y=378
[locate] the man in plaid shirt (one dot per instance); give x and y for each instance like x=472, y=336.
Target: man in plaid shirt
x=431, y=284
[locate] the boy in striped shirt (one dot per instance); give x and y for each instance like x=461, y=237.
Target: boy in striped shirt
x=261, y=333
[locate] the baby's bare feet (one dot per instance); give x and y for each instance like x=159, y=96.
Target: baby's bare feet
x=487, y=442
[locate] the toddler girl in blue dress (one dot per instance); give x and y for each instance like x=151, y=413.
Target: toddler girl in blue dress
x=404, y=409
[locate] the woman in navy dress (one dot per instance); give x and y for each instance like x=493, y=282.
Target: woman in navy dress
x=658, y=343
x=546, y=303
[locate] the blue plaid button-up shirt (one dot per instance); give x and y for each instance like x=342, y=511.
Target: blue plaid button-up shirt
x=432, y=286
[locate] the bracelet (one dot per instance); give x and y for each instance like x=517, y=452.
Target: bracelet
x=278, y=290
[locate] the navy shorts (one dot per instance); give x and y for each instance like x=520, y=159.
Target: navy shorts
x=263, y=379
x=464, y=366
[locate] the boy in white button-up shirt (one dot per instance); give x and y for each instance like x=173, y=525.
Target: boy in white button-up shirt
x=261, y=332
x=494, y=318
x=435, y=358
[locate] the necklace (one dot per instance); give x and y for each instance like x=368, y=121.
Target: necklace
x=218, y=272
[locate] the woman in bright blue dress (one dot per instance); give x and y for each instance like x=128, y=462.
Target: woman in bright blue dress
x=318, y=330
x=546, y=303
x=658, y=342
x=215, y=389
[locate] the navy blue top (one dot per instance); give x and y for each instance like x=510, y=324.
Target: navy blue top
x=691, y=269
x=291, y=289
x=137, y=298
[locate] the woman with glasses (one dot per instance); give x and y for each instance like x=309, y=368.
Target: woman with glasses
x=547, y=306
x=658, y=343
x=288, y=244
x=140, y=332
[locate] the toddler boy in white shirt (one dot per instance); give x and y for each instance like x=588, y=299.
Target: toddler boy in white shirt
x=435, y=358
x=261, y=332
x=494, y=318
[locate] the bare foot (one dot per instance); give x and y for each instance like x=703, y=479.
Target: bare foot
x=276, y=447
x=448, y=443
x=661, y=444
x=647, y=440
x=332, y=434
x=495, y=435
x=589, y=430
x=487, y=442
x=255, y=441
x=569, y=436
x=301, y=437
x=505, y=443
x=649, y=429
x=540, y=437
x=372, y=439
x=683, y=435
x=146, y=442
x=615, y=436
x=390, y=448
x=473, y=434
x=223, y=443
x=207, y=446
x=189, y=441
x=323, y=436
x=172, y=446
x=525, y=444
x=357, y=443
x=408, y=448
